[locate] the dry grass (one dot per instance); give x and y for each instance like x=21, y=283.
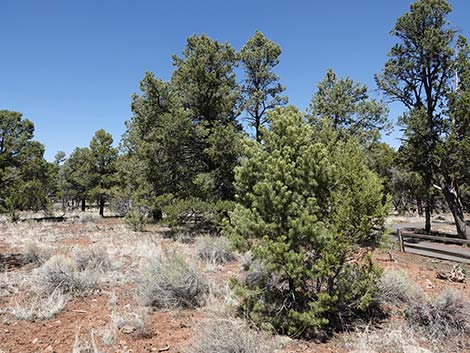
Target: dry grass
x=442, y=317
x=231, y=336
x=93, y=258
x=172, y=282
x=35, y=253
x=61, y=274
x=400, y=339
x=39, y=308
x=133, y=319
x=216, y=250
x=396, y=288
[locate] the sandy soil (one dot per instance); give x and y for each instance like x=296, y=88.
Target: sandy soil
x=167, y=330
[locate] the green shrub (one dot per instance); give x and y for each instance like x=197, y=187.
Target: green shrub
x=198, y=215
x=136, y=219
x=305, y=204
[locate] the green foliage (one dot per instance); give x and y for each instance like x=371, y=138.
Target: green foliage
x=198, y=215
x=305, y=204
x=347, y=108
x=261, y=89
x=183, y=141
x=101, y=168
x=24, y=174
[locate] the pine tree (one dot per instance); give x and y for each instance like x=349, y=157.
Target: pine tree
x=261, y=89
x=24, y=174
x=101, y=168
x=347, y=108
x=305, y=204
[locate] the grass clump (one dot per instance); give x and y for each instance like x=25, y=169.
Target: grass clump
x=231, y=336
x=396, y=288
x=35, y=253
x=444, y=316
x=172, y=283
x=93, y=258
x=389, y=340
x=132, y=319
x=39, y=308
x=216, y=250
x=61, y=274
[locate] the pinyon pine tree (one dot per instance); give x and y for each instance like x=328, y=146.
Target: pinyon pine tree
x=305, y=206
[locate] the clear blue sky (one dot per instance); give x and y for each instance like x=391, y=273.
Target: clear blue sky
x=71, y=66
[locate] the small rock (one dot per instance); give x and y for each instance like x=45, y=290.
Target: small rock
x=429, y=284
x=35, y=340
x=49, y=349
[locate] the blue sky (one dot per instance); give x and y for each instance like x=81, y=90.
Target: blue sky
x=71, y=66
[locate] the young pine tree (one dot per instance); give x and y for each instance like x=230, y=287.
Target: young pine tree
x=305, y=205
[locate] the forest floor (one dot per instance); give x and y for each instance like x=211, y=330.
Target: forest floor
x=90, y=317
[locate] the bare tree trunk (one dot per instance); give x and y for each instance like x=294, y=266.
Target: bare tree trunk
x=101, y=206
x=451, y=194
x=419, y=205
x=428, y=203
x=83, y=205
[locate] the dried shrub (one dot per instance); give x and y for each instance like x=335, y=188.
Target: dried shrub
x=444, y=316
x=61, y=274
x=93, y=258
x=216, y=250
x=132, y=319
x=34, y=253
x=389, y=340
x=38, y=308
x=85, y=343
x=171, y=282
x=231, y=336
x=396, y=288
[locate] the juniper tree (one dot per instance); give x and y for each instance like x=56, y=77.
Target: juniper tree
x=305, y=203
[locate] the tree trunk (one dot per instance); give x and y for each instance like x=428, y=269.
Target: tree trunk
x=450, y=191
x=101, y=206
x=419, y=204
x=427, y=211
x=428, y=203
x=83, y=205
x=257, y=128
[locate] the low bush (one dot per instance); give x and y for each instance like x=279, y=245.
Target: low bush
x=136, y=219
x=444, y=316
x=389, y=340
x=61, y=274
x=92, y=258
x=396, y=288
x=38, y=308
x=231, y=336
x=132, y=319
x=171, y=282
x=216, y=250
x=34, y=253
